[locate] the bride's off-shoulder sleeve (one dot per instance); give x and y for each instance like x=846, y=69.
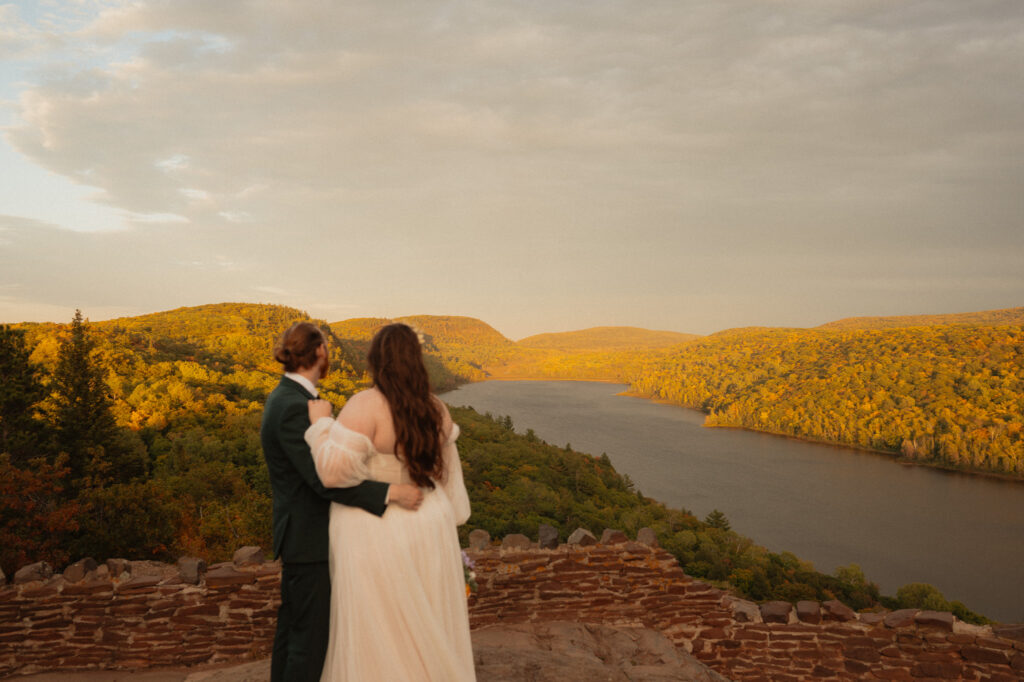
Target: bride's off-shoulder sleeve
x=339, y=453
x=453, y=485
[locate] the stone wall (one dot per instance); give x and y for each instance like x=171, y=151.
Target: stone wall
x=125, y=615
x=130, y=615
x=624, y=583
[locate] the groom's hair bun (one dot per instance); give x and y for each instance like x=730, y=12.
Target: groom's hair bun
x=296, y=349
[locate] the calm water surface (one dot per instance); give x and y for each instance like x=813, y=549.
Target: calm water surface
x=830, y=505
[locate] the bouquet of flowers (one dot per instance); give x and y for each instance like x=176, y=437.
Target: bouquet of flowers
x=467, y=570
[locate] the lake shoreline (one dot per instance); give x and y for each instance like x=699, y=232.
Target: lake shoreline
x=889, y=454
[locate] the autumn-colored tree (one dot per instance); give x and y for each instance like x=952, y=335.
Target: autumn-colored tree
x=36, y=524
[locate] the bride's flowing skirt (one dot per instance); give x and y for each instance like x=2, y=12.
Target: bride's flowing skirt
x=398, y=596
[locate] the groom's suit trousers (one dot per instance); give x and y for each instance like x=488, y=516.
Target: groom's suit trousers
x=303, y=623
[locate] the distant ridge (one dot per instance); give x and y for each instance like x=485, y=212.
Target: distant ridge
x=607, y=338
x=1005, y=316
x=456, y=329
x=212, y=319
x=358, y=328
x=444, y=329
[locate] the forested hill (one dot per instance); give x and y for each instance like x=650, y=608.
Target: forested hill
x=600, y=338
x=1006, y=316
x=946, y=395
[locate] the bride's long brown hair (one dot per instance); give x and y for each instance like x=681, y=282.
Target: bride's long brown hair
x=396, y=365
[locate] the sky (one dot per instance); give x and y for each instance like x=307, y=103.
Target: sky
x=542, y=165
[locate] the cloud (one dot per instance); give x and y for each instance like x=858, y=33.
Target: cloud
x=582, y=148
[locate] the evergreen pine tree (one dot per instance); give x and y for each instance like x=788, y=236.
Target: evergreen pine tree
x=97, y=452
x=716, y=519
x=21, y=432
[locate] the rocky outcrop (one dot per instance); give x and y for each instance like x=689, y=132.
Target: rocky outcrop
x=125, y=615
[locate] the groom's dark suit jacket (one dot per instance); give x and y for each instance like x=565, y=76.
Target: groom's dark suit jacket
x=301, y=503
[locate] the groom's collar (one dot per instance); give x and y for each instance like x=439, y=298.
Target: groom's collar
x=304, y=382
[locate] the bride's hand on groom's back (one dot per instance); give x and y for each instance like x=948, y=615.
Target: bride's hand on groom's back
x=318, y=409
x=404, y=495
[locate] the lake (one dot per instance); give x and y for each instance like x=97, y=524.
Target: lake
x=830, y=505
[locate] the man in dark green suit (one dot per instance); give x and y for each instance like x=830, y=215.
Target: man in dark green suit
x=301, y=508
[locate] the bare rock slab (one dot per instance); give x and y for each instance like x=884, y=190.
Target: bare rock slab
x=581, y=652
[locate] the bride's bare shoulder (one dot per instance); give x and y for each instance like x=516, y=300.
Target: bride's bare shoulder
x=369, y=398
x=362, y=411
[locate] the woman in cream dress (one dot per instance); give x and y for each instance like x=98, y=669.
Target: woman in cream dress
x=398, y=596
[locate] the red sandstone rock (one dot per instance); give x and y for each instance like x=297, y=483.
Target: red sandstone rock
x=935, y=619
x=837, y=610
x=980, y=655
x=582, y=537
x=191, y=569
x=118, y=566
x=479, y=539
x=515, y=541
x=226, y=577
x=547, y=536
x=900, y=619
x=1014, y=632
x=993, y=643
x=647, y=537
x=744, y=611
x=138, y=583
x=248, y=556
x=808, y=611
x=613, y=537
x=33, y=573
x=776, y=611
x=950, y=670
x=77, y=571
